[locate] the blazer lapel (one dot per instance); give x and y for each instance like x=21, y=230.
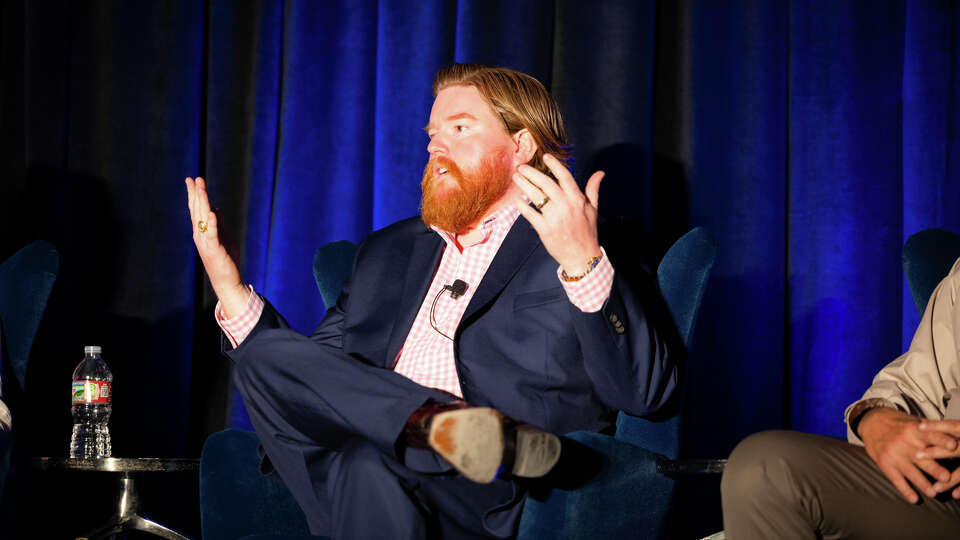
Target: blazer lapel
x=520, y=242
x=423, y=261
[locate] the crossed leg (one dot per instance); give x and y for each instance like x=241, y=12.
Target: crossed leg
x=330, y=423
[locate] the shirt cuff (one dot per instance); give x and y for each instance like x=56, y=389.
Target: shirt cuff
x=238, y=328
x=855, y=412
x=589, y=293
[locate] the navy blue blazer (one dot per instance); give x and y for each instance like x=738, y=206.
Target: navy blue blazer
x=521, y=346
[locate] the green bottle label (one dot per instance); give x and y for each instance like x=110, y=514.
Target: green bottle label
x=91, y=392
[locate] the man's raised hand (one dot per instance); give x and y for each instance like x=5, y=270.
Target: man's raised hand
x=222, y=271
x=567, y=221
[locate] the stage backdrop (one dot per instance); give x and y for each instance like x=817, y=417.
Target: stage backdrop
x=811, y=137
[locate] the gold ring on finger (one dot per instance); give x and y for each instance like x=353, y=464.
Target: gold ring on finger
x=542, y=203
x=202, y=226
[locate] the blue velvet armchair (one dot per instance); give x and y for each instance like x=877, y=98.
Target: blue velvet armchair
x=26, y=279
x=627, y=497
x=927, y=257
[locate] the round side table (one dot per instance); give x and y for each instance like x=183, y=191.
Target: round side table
x=126, y=518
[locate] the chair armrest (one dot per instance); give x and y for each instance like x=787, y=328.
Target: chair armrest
x=625, y=498
x=282, y=537
x=235, y=499
x=676, y=467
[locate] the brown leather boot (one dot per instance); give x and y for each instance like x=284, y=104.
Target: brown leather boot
x=482, y=443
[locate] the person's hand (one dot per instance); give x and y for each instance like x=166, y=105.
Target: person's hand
x=222, y=271
x=893, y=439
x=950, y=428
x=567, y=222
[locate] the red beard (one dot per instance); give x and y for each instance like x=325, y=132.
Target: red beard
x=459, y=199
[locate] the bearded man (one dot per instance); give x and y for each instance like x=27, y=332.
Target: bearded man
x=413, y=413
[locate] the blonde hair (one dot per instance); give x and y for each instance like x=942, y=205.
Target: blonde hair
x=520, y=100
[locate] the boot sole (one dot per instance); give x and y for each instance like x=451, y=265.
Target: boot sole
x=472, y=440
x=537, y=452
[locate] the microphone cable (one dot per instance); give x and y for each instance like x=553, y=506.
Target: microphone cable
x=456, y=291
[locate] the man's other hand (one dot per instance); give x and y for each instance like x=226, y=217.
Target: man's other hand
x=950, y=428
x=565, y=218
x=893, y=440
x=222, y=271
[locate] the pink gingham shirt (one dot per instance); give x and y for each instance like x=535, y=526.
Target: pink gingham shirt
x=427, y=357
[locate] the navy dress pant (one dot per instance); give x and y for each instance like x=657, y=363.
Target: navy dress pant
x=330, y=424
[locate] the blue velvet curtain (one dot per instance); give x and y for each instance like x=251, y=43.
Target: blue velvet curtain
x=812, y=137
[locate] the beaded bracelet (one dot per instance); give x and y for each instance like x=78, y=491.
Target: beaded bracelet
x=591, y=264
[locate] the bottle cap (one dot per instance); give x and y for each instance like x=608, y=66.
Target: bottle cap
x=92, y=349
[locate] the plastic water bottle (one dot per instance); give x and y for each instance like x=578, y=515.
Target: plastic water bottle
x=92, y=397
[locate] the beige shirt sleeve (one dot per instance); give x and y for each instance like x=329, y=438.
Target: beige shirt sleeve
x=6, y=420
x=919, y=381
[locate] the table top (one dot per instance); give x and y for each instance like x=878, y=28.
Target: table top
x=113, y=464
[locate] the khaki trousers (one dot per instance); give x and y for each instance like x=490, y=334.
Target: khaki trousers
x=786, y=485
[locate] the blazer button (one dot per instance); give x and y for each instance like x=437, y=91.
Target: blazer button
x=619, y=329
x=614, y=319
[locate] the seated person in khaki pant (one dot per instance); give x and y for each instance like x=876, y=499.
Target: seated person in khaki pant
x=892, y=479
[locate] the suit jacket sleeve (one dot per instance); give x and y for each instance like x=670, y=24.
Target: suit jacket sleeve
x=631, y=350
x=328, y=332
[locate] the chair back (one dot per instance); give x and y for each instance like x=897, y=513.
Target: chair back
x=927, y=258
x=331, y=267
x=26, y=279
x=682, y=276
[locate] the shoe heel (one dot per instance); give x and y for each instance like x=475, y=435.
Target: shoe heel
x=471, y=440
x=536, y=452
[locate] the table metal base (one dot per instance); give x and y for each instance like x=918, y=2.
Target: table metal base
x=126, y=518
x=128, y=502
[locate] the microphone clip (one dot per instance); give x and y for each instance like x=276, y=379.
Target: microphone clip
x=457, y=289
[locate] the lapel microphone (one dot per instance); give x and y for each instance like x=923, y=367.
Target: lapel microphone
x=457, y=289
